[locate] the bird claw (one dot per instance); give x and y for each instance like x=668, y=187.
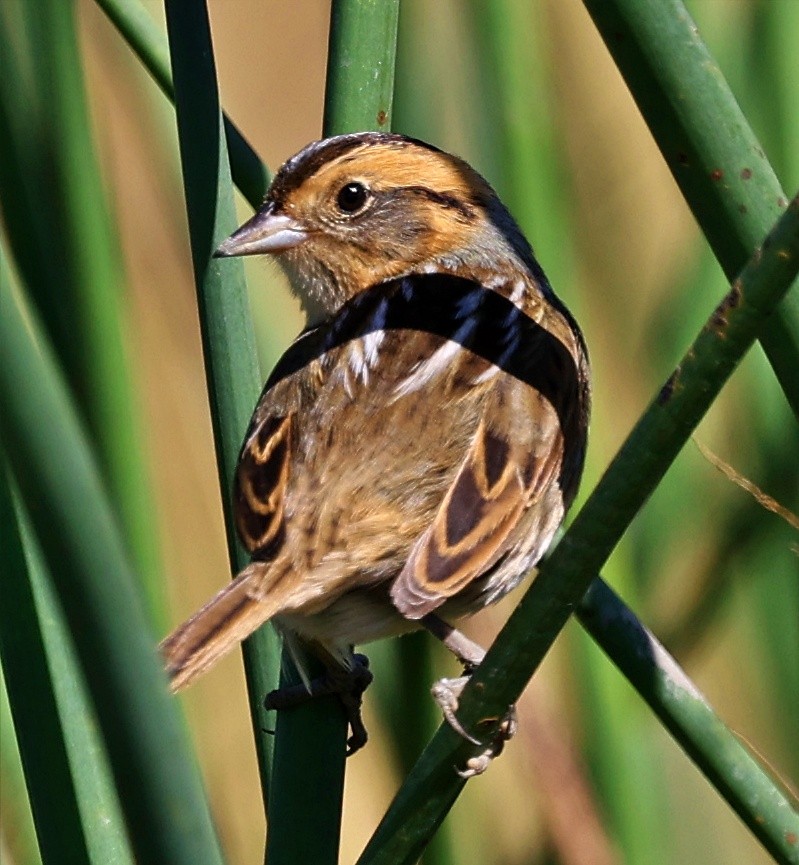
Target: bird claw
x=446, y=693
x=348, y=684
x=480, y=762
x=354, y=682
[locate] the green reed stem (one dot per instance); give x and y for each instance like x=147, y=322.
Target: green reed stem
x=717, y=752
x=62, y=490
x=708, y=145
x=227, y=336
x=150, y=45
x=309, y=751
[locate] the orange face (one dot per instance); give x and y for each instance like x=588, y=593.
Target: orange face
x=355, y=211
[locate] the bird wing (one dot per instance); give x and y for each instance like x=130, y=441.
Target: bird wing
x=501, y=476
x=262, y=476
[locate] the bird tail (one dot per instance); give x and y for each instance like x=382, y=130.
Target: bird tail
x=241, y=607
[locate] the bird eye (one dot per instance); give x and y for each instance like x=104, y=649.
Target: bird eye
x=352, y=197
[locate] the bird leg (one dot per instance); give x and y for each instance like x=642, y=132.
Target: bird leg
x=348, y=683
x=465, y=650
x=446, y=692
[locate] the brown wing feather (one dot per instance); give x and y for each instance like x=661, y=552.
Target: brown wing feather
x=262, y=476
x=497, y=481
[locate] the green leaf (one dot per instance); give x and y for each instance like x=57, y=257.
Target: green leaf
x=62, y=236
x=75, y=806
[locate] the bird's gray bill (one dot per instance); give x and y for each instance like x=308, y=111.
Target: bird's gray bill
x=264, y=233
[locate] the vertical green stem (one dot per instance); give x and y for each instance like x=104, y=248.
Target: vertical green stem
x=54, y=801
x=227, y=334
x=159, y=786
x=360, y=65
x=708, y=145
x=309, y=748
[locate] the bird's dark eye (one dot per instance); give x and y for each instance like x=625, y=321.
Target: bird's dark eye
x=352, y=197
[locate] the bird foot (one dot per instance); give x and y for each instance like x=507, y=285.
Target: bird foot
x=446, y=693
x=348, y=684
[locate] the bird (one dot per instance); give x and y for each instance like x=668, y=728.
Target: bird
x=415, y=450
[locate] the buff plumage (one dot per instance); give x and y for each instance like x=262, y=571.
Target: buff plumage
x=416, y=448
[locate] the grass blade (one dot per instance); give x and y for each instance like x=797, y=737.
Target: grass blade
x=158, y=784
x=54, y=801
x=56, y=715
x=18, y=842
x=61, y=233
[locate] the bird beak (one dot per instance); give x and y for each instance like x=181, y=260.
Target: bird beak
x=266, y=232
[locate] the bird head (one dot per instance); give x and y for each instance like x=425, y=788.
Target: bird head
x=355, y=210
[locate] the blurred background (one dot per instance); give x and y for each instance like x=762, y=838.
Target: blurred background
x=592, y=777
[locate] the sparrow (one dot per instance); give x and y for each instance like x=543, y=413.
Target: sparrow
x=416, y=448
